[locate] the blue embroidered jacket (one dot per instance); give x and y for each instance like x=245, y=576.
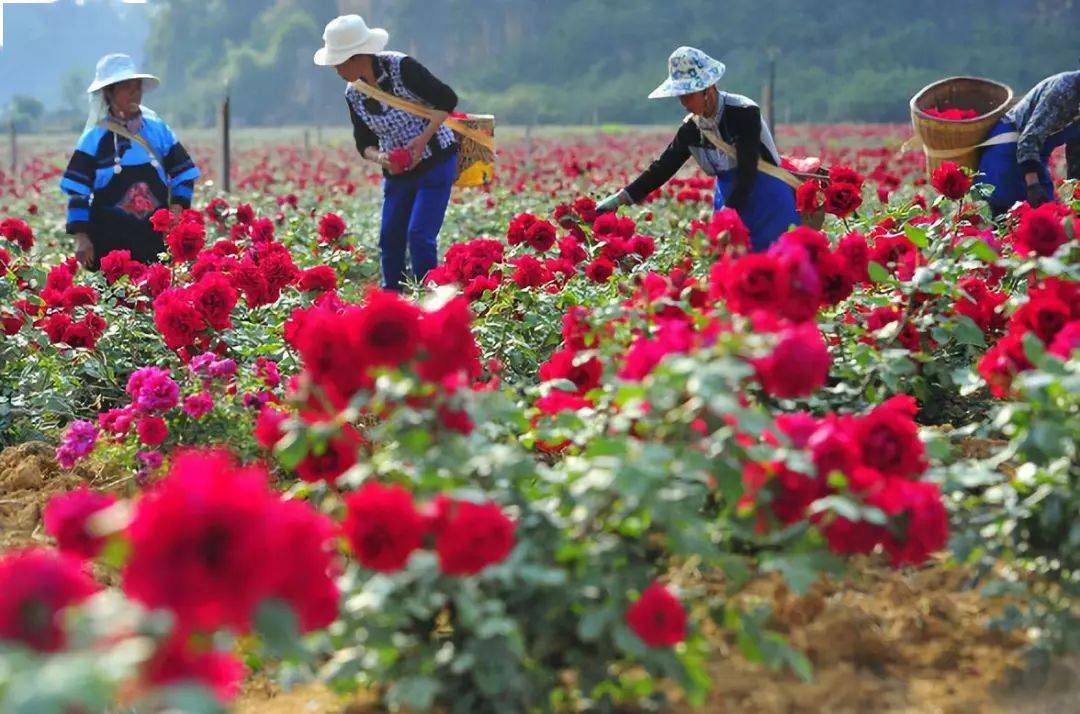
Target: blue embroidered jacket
x=142, y=185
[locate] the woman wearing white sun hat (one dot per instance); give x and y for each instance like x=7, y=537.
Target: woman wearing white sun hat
x=764, y=202
x=126, y=165
x=416, y=194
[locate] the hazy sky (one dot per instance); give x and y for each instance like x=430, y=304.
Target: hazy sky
x=43, y=42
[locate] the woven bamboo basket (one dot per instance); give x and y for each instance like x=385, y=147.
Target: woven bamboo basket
x=946, y=140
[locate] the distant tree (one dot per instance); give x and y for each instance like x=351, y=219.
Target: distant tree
x=73, y=91
x=25, y=111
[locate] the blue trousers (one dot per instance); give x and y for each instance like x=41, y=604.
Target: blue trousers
x=999, y=168
x=769, y=212
x=412, y=214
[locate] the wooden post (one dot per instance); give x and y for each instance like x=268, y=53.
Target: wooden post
x=307, y=143
x=14, y=149
x=226, y=161
x=770, y=93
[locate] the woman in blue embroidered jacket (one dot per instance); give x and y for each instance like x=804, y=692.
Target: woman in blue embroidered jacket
x=1047, y=117
x=765, y=204
x=116, y=183
x=415, y=196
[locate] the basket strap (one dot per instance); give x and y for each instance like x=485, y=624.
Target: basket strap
x=485, y=140
x=916, y=142
x=763, y=166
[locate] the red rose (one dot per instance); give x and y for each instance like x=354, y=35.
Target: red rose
x=114, y=265
x=215, y=298
x=387, y=329
x=335, y=458
x=541, y=236
x=400, y=160
x=658, y=617
x=17, y=231
x=156, y=279
x=473, y=537
x=331, y=227
x=518, y=227
x=268, y=431
x=566, y=364
x=600, y=270
x=177, y=661
x=917, y=506
x=1043, y=315
x=208, y=541
x=1067, y=340
x=1002, y=362
x=163, y=220
x=37, y=585
x=950, y=181
x=839, y=174
x=152, y=430
x=889, y=441
x=321, y=278
x=66, y=517
x=808, y=197
x=752, y=282
x=1041, y=230
x=842, y=199
x=383, y=526
x=185, y=241
x=797, y=366
x=177, y=318
x=448, y=342
x=530, y=272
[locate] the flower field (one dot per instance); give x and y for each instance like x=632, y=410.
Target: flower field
x=596, y=462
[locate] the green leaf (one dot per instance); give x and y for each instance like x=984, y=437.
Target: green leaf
x=416, y=693
x=292, y=449
x=878, y=273
x=277, y=625
x=968, y=333
x=116, y=552
x=916, y=235
x=628, y=642
x=800, y=570
x=981, y=250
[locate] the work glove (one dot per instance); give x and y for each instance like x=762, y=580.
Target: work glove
x=612, y=202
x=1037, y=195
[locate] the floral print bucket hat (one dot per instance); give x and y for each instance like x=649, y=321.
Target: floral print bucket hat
x=689, y=70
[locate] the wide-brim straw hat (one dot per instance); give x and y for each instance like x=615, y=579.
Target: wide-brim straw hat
x=349, y=35
x=689, y=70
x=119, y=68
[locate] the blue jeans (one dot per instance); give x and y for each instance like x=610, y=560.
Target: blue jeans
x=999, y=168
x=768, y=214
x=412, y=214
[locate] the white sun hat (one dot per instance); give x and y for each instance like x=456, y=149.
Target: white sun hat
x=689, y=70
x=118, y=68
x=349, y=35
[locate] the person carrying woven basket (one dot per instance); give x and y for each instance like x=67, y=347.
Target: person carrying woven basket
x=418, y=155
x=126, y=165
x=764, y=202
x=1047, y=117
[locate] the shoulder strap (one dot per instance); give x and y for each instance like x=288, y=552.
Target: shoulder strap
x=120, y=130
x=763, y=166
x=488, y=142
x=916, y=142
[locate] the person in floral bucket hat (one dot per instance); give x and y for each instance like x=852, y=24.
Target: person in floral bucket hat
x=765, y=203
x=126, y=165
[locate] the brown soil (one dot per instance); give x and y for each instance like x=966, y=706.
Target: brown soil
x=884, y=641
x=29, y=477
